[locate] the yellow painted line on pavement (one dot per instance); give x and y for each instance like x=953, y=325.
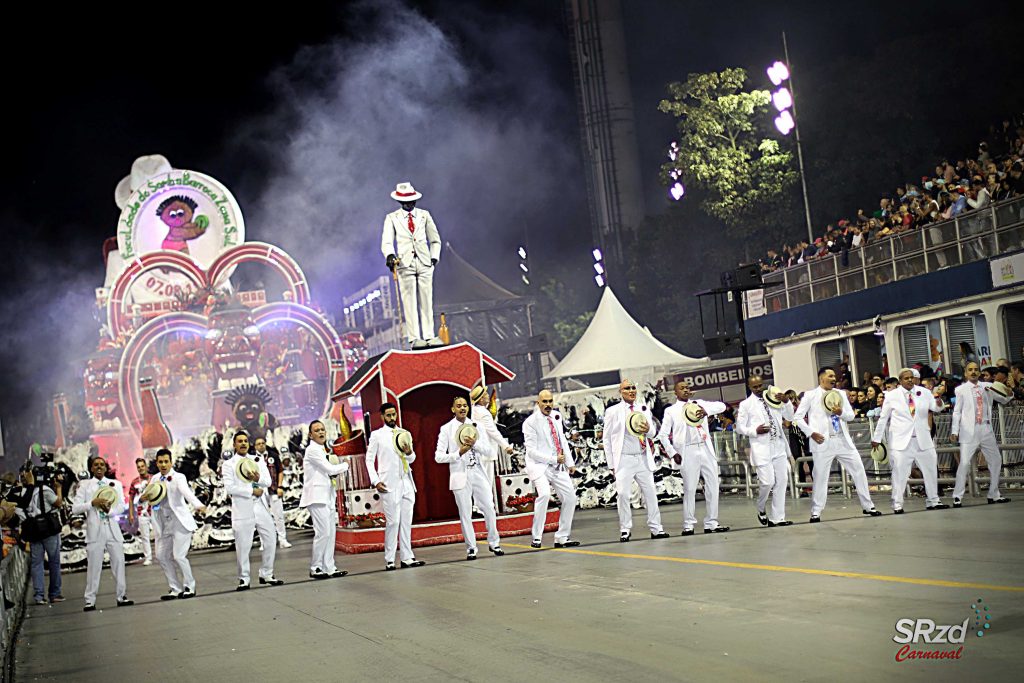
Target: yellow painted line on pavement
x=792, y=570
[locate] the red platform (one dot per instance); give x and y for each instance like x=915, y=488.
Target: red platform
x=439, y=533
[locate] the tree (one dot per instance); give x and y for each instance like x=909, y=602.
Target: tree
x=559, y=311
x=746, y=177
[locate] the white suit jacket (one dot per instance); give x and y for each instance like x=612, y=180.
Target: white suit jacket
x=896, y=416
x=676, y=434
x=243, y=503
x=812, y=417
x=448, y=453
x=317, y=471
x=424, y=243
x=615, y=432
x=964, y=412
x=179, y=497
x=751, y=415
x=490, y=438
x=383, y=463
x=540, y=447
x=94, y=524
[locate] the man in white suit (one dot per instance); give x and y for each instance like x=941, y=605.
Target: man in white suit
x=250, y=511
x=693, y=450
x=829, y=440
x=972, y=428
x=410, y=242
x=390, y=473
x=319, y=496
x=468, y=479
x=174, y=524
x=549, y=464
x=631, y=458
x=102, y=534
x=769, y=449
x=905, y=413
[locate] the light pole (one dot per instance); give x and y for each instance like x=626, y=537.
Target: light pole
x=784, y=100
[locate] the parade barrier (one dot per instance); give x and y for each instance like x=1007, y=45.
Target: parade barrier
x=14, y=571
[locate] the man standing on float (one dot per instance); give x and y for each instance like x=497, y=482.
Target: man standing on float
x=411, y=246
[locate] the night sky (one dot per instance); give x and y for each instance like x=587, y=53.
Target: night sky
x=311, y=116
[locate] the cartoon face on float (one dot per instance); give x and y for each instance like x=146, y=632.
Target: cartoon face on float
x=101, y=390
x=233, y=346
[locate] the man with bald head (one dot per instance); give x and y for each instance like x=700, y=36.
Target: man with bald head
x=972, y=429
x=630, y=456
x=549, y=463
x=762, y=424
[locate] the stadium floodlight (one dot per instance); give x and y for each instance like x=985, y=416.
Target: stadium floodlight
x=599, y=269
x=677, y=191
x=777, y=73
x=597, y=255
x=523, y=265
x=522, y=253
x=782, y=99
x=599, y=280
x=673, y=150
x=784, y=122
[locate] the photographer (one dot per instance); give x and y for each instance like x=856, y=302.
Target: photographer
x=38, y=508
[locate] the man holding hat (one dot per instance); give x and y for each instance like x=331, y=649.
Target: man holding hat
x=905, y=412
x=389, y=464
x=102, y=534
x=467, y=477
x=972, y=429
x=250, y=510
x=762, y=423
x=174, y=523
x=690, y=446
x=549, y=463
x=411, y=244
x=630, y=455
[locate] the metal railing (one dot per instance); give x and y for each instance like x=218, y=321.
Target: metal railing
x=15, y=577
x=972, y=236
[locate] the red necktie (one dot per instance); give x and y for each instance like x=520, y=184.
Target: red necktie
x=412, y=226
x=643, y=441
x=554, y=437
x=910, y=402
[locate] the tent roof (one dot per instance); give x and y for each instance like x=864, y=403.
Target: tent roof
x=615, y=341
x=457, y=281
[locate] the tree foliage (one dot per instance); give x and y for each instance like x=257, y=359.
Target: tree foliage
x=724, y=148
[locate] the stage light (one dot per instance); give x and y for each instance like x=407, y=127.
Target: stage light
x=784, y=122
x=782, y=99
x=677, y=191
x=778, y=72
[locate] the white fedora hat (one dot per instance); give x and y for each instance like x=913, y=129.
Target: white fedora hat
x=405, y=192
x=143, y=169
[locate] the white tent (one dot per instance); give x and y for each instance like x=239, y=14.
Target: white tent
x=615, y=342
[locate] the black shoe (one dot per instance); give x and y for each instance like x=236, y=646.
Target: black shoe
x=873, y=512
x=390, y=567
x=624, y=537
x=125, y=602
x=413, y=563
x=496, y=550
x=897, y=511
x=242, y=586
x=319, y=574
x=567, y=543
x=336, y=574
x=273, y=582
x=186, y=594
x=89, y=608
x=170, y=596
x=937, y=506
x=815, y=519
x=762, y=519
x=471, y=555
x=535, y=544
x=661, y=534
x=957, y=503
x=1000, y=499
x=687, y=532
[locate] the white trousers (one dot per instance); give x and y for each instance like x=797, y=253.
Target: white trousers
x=398, y=504
x=277, y=512
x=94, y=563
x=634, y=468
x=416, y=284
x=244, y=528
x=562, y=483
x=834, y=449
x=927, y=461
x=985, y=439
x=772, y=478
x=698, y=464
x=325, y=526
x=172, y=548
x=146, y=535
x=477, y=490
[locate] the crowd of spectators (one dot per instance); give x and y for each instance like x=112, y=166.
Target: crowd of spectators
x=953, y=189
